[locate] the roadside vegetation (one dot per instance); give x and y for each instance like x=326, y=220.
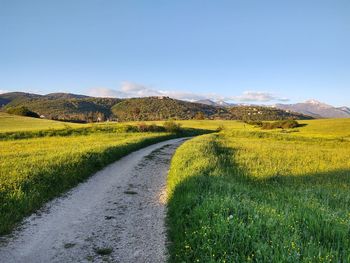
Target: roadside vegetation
x=262, y=196
x=242, y=194
x=37, y=165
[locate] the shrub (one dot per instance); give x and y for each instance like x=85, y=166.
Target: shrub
x=171, y=126
x=22, y=111
x=254, y=123
x=130, y=128
x=220, y=128
x=143, y=127
x=286, y=124
x=199, y=116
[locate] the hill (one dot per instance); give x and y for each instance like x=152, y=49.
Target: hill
x=65, y=96
x=219, y=103
x=17, y=98
x=207, y=102
x=160, y=108
x=80, y=108
x=317, y=109
x=154, y=108
x=14, y=123
x=62, y=106
x=259, y=113
x=344, y=109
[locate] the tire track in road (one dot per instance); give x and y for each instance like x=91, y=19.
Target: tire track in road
x=117, y=215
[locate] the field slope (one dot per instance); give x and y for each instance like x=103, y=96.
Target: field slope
x=254, y=196
x=11, y=123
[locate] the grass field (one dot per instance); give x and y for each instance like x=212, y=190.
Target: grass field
x=11, y=123
x=40, y=159
x=240, y=195
x=262, y=196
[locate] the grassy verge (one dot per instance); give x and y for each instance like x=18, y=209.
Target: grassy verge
x=36, y=166
x=240, y=198
x=36, y=170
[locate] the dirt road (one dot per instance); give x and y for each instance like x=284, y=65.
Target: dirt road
x=115, y=216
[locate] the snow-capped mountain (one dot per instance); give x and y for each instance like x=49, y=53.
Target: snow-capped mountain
x=220, y=103
x=316, y=109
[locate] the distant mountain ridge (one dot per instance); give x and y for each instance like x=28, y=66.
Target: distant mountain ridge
x=81, y=108
x=219, y=103
x=316, y=109
x=310, y=107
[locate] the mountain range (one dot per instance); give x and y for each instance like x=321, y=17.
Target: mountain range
x=316, y=109
x=81, y=108
x=312, y=108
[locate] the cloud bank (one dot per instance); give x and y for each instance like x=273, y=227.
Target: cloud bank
x=250, y=96
x=132, y=90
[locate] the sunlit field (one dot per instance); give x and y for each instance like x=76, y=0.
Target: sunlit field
x=326, y=128
x=37, y=165
x=10, y=123
x=262, y=196
x=239, y=194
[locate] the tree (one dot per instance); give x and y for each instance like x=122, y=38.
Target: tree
x=22, y=111
x=199, y=116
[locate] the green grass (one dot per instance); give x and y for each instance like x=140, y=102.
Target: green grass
x=37, y=165
x=11, y=123
x=206, y=124
x=326, y=128
x=256, y=196
x=241, y=195
x=32, y=171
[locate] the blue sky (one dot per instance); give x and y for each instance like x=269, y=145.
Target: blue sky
x=243, y=51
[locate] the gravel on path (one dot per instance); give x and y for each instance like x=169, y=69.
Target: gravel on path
x=117, y=215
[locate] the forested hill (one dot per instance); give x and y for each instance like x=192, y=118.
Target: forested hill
x=154, y=108
x=260, y=113
x=80, y=108
x=61, y=106
x=160, y=108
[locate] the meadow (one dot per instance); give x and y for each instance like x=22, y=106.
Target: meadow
x=262, y=196
x=15, y=123
x=238, y=194
x=41, y=159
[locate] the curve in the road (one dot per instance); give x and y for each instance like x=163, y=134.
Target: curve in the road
x=117, y=215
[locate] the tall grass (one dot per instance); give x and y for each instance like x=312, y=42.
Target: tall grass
x=11, y=123
x=32, y=171
x=242, y=197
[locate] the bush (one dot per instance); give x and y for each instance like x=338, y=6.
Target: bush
x=254, y=123
x=171, y=126
x=199, y=116
x=143, y=127
x=22, y=111
x=220, y=128
x=287, y=124
x=130, y=128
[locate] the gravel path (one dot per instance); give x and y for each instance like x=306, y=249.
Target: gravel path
x=115, y=216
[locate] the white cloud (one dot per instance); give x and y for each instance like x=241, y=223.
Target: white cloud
x=251, y=96
x=138, y=90
x=132, y=90
x=106, y=92
x=3, y=91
